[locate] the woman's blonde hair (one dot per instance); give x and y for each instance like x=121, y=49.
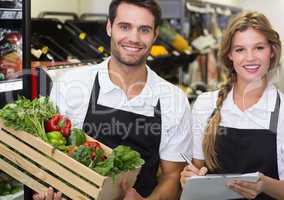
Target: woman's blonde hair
x=241, y=22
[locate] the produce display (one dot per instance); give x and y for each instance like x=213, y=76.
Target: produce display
x=158, y=50
x=168, y=34
x=8, y=186
x=10, y=54
x=41, y=119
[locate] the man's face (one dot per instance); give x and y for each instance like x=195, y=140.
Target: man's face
x=132, y=34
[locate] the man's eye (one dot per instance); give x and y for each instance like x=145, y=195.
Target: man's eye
x=124, y=27
x=145, y=30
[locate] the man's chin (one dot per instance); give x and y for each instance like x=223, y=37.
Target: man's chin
x=133, y=62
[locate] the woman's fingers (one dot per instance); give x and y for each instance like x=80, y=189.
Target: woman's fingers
x=203, y=171
x=192, y=168
x=245, y=192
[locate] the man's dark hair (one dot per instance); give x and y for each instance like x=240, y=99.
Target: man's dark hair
x=150, y=5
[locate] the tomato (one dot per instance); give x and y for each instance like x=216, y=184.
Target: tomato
x=92, y=144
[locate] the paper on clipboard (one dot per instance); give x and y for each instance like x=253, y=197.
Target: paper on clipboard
x=212, y=187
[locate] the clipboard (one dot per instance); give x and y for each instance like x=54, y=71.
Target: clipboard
x=212, y=186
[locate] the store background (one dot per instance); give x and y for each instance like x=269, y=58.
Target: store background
x=273, y=10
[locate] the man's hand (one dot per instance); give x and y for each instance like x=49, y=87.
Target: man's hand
x=131, y=194
x=50, y=195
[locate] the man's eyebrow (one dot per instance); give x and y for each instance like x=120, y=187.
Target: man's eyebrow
x=123, y=23
x=141, y=26
x=146, y=26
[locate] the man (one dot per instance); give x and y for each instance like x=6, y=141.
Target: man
x=122, y=101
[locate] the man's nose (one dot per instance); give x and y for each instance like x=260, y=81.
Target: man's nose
x=134, y=35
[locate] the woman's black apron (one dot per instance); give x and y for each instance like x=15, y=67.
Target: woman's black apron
x=249, y=150
x=115, y=127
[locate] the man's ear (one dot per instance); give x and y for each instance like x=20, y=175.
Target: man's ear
x=157, y=32
x=108, y=28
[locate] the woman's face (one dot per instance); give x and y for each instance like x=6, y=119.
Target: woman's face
x=250, y=53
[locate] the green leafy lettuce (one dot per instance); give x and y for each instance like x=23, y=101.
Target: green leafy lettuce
x=123, y=158
x=29, y=115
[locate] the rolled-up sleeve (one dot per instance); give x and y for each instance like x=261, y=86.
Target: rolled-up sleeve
x=177, y=139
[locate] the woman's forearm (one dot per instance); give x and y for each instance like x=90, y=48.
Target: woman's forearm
x=273, y=187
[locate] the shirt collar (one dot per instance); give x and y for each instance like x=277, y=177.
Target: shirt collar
x=266, y=102
x=147, y=95
x=268, y=99
x=106, y=84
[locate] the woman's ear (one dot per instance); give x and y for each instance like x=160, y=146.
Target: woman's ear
x=108, y=28
x=272, y=54
x=230, y=56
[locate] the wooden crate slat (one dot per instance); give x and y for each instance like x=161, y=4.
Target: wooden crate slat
x=40, y=173
x=59, y=156
x=20, y=176
x=49, y=164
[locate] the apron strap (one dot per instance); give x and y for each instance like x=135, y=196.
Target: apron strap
x=274, y=115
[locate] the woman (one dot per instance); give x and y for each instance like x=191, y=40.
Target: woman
x=239, y=128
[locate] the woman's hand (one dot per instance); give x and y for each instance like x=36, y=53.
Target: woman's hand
x=50, y=195
x=189, y=171
x=248, y=190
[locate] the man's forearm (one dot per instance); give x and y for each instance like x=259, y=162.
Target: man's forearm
x=168, y=189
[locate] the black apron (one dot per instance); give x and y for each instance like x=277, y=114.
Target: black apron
x=115, y=127
x=249, y=150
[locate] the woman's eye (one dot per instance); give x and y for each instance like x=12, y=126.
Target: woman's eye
x=260, y=47
x=239, y=50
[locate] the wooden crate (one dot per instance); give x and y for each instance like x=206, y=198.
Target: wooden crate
x=37, y=164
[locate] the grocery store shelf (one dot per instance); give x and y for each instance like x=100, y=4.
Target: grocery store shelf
x=11, y=85
x=11, y=9
x=17, y=196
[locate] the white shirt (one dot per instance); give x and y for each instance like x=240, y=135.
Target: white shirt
x=256, y=117
x=72, y=89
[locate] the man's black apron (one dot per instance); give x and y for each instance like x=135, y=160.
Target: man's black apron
x=249, y=150
x=115, y=127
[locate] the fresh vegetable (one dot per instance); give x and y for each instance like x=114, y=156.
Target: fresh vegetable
x=56, y=138
x=89, y=154
x=59, y=123
x=7, y=188
x=8, y=185
x=29, y=115
x=92, y=144
x=84, y=155
x=77, y=137
x=123, y=158
x=158, y=50
x=2, y=76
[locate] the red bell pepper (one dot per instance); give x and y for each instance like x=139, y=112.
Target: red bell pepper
x=59, y=123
